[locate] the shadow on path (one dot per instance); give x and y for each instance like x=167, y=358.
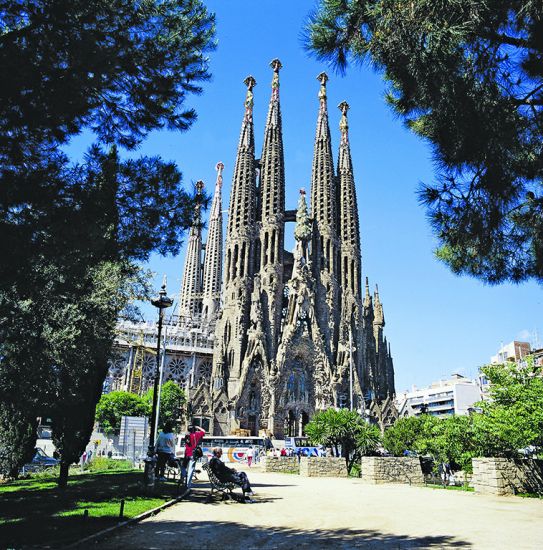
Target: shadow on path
x=217, y=534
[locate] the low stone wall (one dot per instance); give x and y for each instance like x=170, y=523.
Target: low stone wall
x=320, y=466
x=504, y=476
x=281, y=464
x=391, y=469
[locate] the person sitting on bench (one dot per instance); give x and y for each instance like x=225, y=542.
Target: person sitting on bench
x=229, y=475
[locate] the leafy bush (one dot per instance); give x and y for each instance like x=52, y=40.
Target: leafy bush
x=101, y=463
x=345, y=429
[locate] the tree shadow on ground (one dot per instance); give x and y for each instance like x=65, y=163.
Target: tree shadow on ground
x=202, y=495
x=34, y=513
x=204, y=534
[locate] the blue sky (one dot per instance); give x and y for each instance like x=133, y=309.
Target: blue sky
x=437, y=323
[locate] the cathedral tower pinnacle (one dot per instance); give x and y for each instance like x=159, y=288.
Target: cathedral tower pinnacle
x=325, y=244
x=349, y=231
x=190, y=300
x=212, y=275
x=239, y=253
x=272, y=207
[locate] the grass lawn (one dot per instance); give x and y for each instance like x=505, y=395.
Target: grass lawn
x=35, y=512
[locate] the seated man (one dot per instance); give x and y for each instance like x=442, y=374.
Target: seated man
x=229, y=475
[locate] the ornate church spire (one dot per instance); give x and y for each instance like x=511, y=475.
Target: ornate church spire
x=272, y=201
x=322, y=179
x=190, y=300
x=239, y=253
x=212, y=276
x=349, y=232
x=242, y=210
x=325, y=246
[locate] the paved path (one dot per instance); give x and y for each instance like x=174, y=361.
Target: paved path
x=292, y=511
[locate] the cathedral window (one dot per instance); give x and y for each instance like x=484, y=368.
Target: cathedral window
x=178, y=368
x=272, y=248
x=204, y=372
x=235, y=262
x=242, y=261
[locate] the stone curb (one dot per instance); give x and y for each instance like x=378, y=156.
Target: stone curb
x=95, y=537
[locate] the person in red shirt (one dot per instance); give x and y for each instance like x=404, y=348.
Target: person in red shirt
x=192, y=440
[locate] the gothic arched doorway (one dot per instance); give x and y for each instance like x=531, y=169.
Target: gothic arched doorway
x=290, y=424
x=304, y=419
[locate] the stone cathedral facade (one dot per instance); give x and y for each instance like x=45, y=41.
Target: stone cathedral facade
x=293, y=333
x=275, y=336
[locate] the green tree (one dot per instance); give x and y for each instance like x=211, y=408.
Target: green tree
x=455, y=440
x=413, y=433
x=513, y=418
x=467, y=76
x=346, y=430
x=172, y=399
x=112, y=406
x=72, y=234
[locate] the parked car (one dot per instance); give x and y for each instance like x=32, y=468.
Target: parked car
x=116, y=455
x=40, y=461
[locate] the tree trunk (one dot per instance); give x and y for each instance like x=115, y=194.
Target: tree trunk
x=63, y=476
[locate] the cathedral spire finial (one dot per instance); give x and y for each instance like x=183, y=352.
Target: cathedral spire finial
x=344, y=123
x=250, y=82
x=323, y=79
x=276, y=65
x=219, y=167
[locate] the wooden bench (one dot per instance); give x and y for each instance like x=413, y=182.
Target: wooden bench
x=225, y=488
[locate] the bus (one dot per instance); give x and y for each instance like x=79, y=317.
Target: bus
x=234, y=448
x=301, y=444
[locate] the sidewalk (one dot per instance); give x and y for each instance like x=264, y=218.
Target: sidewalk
x=292, y=511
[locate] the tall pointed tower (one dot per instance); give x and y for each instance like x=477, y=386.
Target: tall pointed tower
x=190, y=300
x=212, y=274
x=350, y=346
x=231, y=333
x=325, y=244
x=272, y=208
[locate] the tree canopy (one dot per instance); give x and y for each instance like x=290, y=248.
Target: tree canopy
x=172, y=399
x=344, y=431
x=511, y=421
x=467, y=76
x=72, y=233
x=114, y=405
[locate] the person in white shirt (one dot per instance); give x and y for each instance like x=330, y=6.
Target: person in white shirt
x=165, y=449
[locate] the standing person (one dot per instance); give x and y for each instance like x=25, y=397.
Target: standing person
x=192, y=440
x=444, y=470
x=249, y=455
x=165, y=449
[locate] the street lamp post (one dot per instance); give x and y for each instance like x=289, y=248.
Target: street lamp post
x=161, y=302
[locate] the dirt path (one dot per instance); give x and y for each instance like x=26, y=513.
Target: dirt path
x=292, y=511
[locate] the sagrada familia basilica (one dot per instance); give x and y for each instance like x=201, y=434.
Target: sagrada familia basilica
x=275, y=336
